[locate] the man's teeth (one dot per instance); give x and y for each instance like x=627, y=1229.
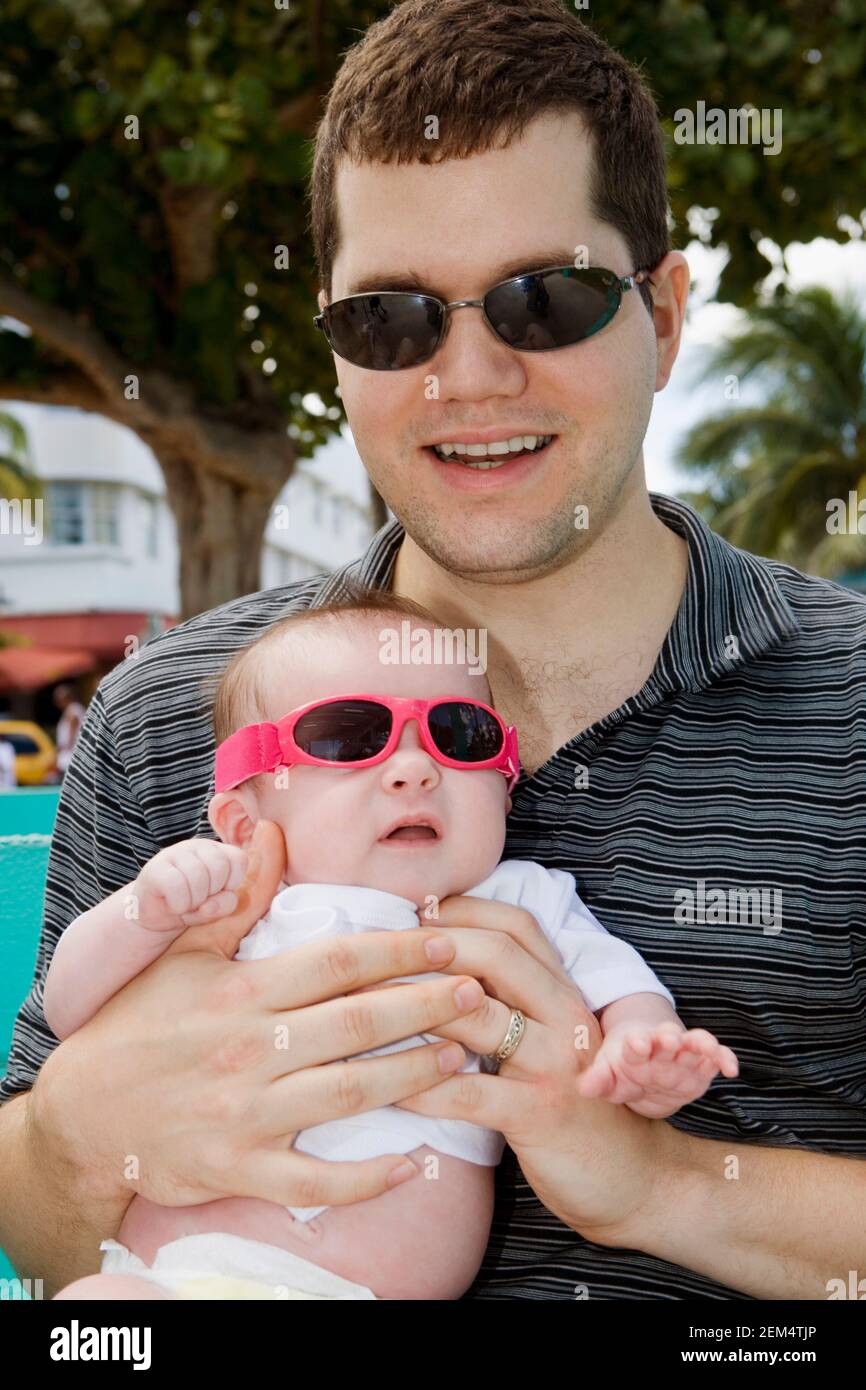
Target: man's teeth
x=491, y=455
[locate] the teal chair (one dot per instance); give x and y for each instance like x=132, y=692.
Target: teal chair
x=26, y=823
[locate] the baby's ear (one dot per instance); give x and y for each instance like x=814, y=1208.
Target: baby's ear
x=230, y=818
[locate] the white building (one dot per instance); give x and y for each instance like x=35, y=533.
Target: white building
x=108, y=542
x=100, y=560
x=322, y=516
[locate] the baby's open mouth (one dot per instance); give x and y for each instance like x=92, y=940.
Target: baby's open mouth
x=413, y=828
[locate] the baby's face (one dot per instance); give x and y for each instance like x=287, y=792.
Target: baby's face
x=336, y=819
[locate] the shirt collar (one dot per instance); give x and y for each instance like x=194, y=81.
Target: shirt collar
x=732, y=608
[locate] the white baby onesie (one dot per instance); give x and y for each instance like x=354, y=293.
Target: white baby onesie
x=603, y=967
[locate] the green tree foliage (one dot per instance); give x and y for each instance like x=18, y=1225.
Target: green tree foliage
x=134, y=258
x=770, y=471
x=16, y=478
x=806, y=58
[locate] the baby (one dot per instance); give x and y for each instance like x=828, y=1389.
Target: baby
x=390, y=784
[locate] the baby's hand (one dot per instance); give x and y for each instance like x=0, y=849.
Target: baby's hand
x=188, y=885
x=655, y=1068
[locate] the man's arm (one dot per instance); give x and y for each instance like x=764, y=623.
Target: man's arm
x=51, y=1223
x=775, y=1223
x=48, y=1222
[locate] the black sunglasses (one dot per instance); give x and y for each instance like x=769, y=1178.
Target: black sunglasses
x=536, y=312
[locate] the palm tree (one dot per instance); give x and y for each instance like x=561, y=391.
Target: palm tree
x=16, y=478
x=771, y=470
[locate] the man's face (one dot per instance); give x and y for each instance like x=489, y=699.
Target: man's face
x=454, y=225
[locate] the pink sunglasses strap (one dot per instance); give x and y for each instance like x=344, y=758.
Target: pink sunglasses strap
x=253, y=749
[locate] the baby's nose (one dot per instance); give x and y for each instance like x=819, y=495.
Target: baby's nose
x=410, y=736
x=410, y=761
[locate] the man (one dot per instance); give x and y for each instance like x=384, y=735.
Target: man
x=686, y=713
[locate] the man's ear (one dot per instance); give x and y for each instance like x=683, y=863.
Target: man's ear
x=670, y=293
x=322, y=300
x=231, y=818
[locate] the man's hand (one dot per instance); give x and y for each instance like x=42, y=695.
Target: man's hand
x=589, y=1162
x=191, y=1082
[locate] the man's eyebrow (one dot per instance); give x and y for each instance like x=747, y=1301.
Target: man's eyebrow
x=371, y=281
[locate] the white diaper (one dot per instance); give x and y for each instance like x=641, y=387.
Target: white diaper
x=220, y=1266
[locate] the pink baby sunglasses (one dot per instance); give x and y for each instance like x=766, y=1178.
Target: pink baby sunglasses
x=361, y=730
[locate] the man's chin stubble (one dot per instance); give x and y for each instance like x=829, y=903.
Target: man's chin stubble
x=496, y=554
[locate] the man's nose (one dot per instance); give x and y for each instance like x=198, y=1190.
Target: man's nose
x=473, y=363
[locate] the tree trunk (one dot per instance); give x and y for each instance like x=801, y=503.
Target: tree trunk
x=223, y=466
x=220, y=528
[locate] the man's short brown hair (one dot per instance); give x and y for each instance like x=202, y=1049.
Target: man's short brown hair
x=487, y=68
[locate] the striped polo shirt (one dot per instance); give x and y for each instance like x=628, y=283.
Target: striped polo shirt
x=714, y=821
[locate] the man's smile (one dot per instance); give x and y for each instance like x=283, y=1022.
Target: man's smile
x=476, y=466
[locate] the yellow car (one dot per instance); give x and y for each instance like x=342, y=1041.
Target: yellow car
x=35, y=753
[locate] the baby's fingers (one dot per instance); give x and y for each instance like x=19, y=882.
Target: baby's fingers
x=728, y=1063
x=220, y=905
x=165, y=880
x=636, y=1048
x=700, y=1043
x=225, y=865
x=598, y=1081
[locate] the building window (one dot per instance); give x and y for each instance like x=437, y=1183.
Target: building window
x=65, y=513
x=103, y=513
x=82, y=513
x=151, y=527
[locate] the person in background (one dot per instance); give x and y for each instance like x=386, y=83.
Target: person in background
x=68, y=726
x=8, y=775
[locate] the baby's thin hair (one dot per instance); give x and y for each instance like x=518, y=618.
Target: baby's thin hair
x=239, y=698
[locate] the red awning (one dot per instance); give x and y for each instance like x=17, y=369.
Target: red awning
x=29, y=668
x=104, y=635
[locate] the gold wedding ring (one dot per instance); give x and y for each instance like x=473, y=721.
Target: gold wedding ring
x=514, y=1032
